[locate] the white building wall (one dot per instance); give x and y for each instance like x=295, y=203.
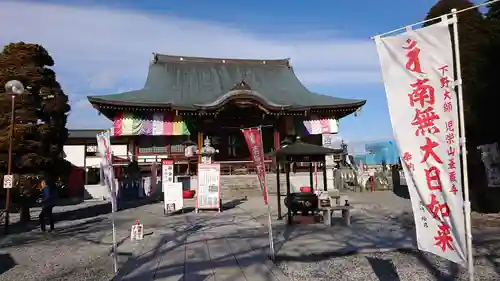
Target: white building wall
x=75, y=154
x=120, y=150
x=93, y=161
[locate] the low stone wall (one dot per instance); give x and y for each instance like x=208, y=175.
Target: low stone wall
x=251, y=182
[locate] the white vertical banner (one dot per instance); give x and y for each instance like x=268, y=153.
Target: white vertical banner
x=104, y=148
x=418, y=71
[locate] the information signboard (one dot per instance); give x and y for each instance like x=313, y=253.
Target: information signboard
x=172, y=197
x=208, y=191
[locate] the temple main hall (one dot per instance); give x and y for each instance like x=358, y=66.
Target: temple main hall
x=186, y=100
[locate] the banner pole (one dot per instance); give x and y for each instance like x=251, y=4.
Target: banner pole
x=113, y=210
x=463, y=142
x=269, y=218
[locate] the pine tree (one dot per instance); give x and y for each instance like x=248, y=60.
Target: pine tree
x=41, y=115
x=491, y=97
x=493, y=11
x=473, y=38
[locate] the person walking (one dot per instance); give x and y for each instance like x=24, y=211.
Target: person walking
x=47, y=206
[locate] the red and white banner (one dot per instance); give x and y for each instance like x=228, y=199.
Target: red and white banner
x=417, y=68
x=104, y=148
x=253, y=137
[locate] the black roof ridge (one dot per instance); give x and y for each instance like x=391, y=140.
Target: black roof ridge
x=162, y=58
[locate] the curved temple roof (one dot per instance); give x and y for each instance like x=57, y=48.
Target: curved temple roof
x=207, y=83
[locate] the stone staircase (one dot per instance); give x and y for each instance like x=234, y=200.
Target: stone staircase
x=244, y=184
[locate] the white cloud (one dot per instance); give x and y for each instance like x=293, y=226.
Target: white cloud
x=103, y=45
x=97, y=48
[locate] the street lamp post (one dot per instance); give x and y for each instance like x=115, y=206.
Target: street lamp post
x=14, y=88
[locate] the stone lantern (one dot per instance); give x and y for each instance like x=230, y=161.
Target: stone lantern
x=207, y=152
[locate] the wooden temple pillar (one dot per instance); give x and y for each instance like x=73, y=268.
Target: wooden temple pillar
x=200, y=145
x=311, y=176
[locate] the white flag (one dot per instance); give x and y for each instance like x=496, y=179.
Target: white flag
x=104, y=148
x=417, y=68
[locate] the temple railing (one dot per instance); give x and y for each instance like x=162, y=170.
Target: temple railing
x=181, y=164
x=229, y=167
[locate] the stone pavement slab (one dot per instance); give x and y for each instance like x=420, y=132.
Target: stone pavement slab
x=216, y=246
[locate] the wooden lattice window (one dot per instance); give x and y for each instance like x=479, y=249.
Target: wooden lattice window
x=153, y=144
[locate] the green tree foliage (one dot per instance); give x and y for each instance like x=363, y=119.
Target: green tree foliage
x=41, y=114
x=493, y=11
x=490, y=97
x=473, y=39
x=489, y=72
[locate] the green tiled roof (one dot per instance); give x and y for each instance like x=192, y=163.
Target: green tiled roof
x=191, y=83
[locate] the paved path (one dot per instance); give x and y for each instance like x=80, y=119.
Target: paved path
x=224, y=246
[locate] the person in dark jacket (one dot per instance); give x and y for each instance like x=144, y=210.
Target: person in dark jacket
x=47, y=206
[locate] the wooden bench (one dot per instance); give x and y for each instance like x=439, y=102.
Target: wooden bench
x=346, y=214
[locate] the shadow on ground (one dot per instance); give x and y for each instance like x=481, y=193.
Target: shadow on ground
x=370, y=235
x=6, y=262
x=77, y=213
x=374, y=230
x=183, y=238
x=226, y=205
x=401, y=191
x=233, y=203
x=384, y=269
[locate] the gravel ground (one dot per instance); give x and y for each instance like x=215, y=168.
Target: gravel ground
x=73, y=252
x=77, y=249
x=392, y=266
x=400, y=265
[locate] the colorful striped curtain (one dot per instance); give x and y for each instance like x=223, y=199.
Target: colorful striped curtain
x=156, y=124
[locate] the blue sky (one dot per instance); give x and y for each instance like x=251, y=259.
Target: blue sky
x=103, y=47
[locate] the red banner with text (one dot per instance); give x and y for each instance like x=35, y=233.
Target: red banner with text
x=253, y=138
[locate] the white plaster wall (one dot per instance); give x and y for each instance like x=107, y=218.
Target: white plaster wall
x=93, y=161
x=75, y=154
x=119, y=150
